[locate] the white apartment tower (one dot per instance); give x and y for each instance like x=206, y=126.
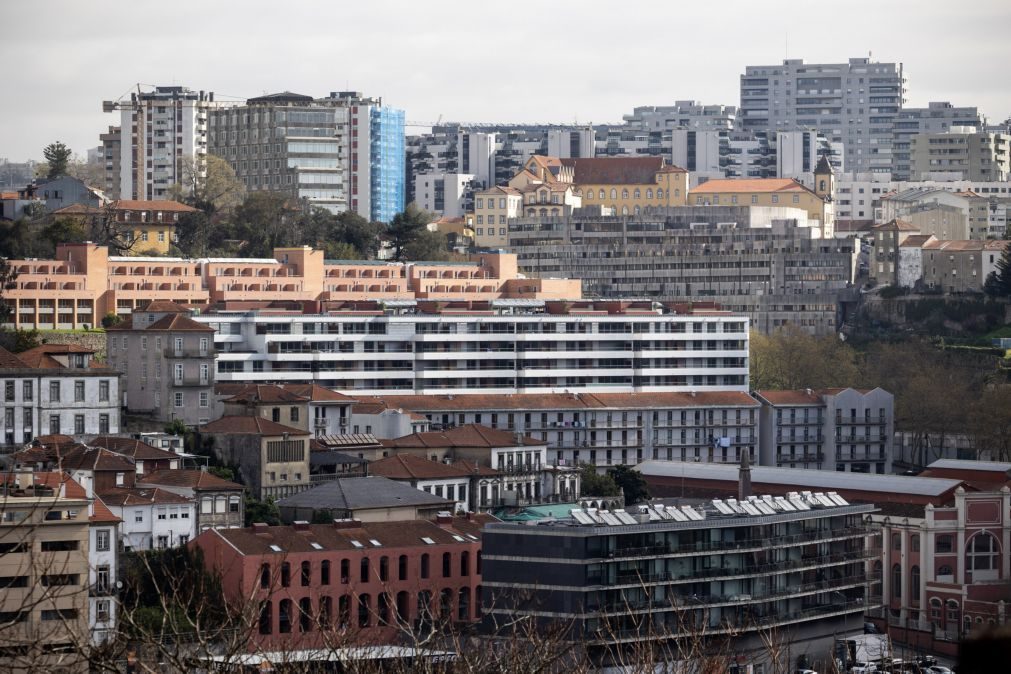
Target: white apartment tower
x=853, y=103
x=160, y=130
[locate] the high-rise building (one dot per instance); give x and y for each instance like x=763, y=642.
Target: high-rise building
x=342, y=152
x=448, y=194
x=937, y=117
x=961, y=153
x=160, y=131
x=853, y=103
x=112, y=141
x=681, y=115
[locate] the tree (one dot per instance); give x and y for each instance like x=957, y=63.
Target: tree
x=592, y=483
x=998, y=283
x=405, y=228
x=991, y=424
x=790, y=358
x=57, y=156
x=631, y=483
x=8, y=281
x=209, y=184
x=262, y=511
x=111, y=319
x=263, y=222
x=26, y=339
x=428, y=245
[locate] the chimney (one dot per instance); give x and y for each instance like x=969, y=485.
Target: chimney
x=300, y=525
x=347, y=524
x=808, y=391
x=518, y=437
x=744, y=476
x=470, y=516
x=444, y=517
x=259, y=527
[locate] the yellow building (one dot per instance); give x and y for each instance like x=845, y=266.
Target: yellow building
x=628, y=185
x=493, y=208
x=768, y=192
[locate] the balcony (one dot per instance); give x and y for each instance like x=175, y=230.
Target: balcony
x=172, y=352
x=187, y=381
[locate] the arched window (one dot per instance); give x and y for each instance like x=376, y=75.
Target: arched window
x=637, y=193
x=304, y=614
x=365, y=570
x=614, y=193
x=952, y=618
x=554, y=212
x=914, y=542
x=477, y=599
x=896, y=541
x=284, y=616
x=364, y=610
x=265, y=575
x=649, y=192
x=383, y=609
x=624, y=210
x=345, y=571
x=402, y=568
x=637, y=210
x=463, y=605
x=544, y=211
x=981, y=553
x=602, y=193
x=589, y=194
x=306, y=574
x=324, y=572
x=659, y=193
x=424, y=566
x=285, y=574
x=384, y=568
x=935, y=610
x=447, y=565
x=344, y=610
x=266, y=624
x=624, y=193
x=465, y=563
x=403, y=607
x=914, y=583
x=897, y=581
x=325, y=610
x=446, y=604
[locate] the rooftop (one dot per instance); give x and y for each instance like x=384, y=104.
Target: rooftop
x=198, y=480
x=362, y=493
x=470, y=435
x=617, y=170
x=411, y=467
x=722, y=185
x=249, y=425
x=552, y=401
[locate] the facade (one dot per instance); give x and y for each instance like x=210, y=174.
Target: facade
x=272, y=459
x=44, y=564
x=152, y=518
x=937, y=117
x=65, y=191
x=846, y=430
x=493, y=208
x=853, y=103
x=909, y=270
x=457, y=481
x=170, y=358
x=957, y=267
x=656, y=573
x=768, y=192
x=774, y=272
x=945, y=214
x=149, y=225
x=54, y=389
x=84, y=283
x=608, y=429
x=884, y=257
x=371, y=498
x=961, y=153
x=348, y=583
x=219, y=502
x=159, y=130
x=448, y=194
x=307, y=407
x=524, y=346
x=682, y=115
x=111, y=155
x=343, y=152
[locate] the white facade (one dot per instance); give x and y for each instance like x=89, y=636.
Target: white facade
x=454, y=489
x=476, y=156
x=102, y=578
x=151, y=526
x=567, y=143
x=443, y=193
x=910, y=266
x=44, y=402
x=517, y=347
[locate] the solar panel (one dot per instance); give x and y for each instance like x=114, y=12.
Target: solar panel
x=735, y=506
x=765, y=508
x=783, y=504
x=593, y=515
x=750, y=509
x=675, y=514
x=609, y=518
x=580, y=516
x=839, y=500
x=625, y=517
x=691, y=513
x=799, y=504
x=722, y=507
x=824, y=500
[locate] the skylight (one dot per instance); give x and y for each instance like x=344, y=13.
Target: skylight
x=276, y=548
x=458, y=539
x=316, y=546
x=427, y=541
x=375, y=543
x=357, y=544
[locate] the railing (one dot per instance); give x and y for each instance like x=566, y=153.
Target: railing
x=172, y=352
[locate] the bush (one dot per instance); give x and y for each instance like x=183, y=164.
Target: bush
x=111, y=319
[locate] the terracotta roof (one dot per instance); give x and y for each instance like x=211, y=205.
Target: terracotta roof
x=915, y=240
x=177, y=322
x=132, y=447
x=896, y=226
x=198, y=480
x=164, y=307
x=501, y=189
x=618, y=170
x=161, y=205
x=54, y=480
x=41, y=357
x=403, y=534
x=79, y=209
x=363, y=493
x=249, y=425
x=411, y=467
x=100, y=513
x=97, y=459
x=471, y=435
x=123, y=496
x=551, y=401
x=317, y=393
x=265, y=393
x=9, y=360
x=731, y=185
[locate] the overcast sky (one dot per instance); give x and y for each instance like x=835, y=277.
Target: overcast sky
x=476, y=61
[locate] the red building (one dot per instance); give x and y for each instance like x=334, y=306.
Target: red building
x=326, y=585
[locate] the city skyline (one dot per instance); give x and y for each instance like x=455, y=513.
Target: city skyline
x=569, y=79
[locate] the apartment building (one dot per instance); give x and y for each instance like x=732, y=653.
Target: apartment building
x=44, y=565
x=682, y=115
x=159, y=131
x=848, y=430
x=219, y=502
x=493, y=208
x=55, y=389
x=884, y=257
x=170, y=361
x=84, y=283
x=675, y=570
x=307, y=407
x=112, y=143
x=349, y=582
x=766, y=265
x=501, y=346
x=152, y=518
x=607, y=429
x=937, y=117
x=446, y=194
x=961, y=153
x=342, y=152
x=957, y=267
x=853, y=103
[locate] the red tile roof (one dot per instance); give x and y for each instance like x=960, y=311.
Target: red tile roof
x=551, y=401
x=164, y=307
x=471, y=435
x=264, y=393
x=9, y=360
x=411, y=467
x=123, y=496
x=54, y=480
x=132, y=447
x=618, y=170
x=739, y=185
x=317, y=393
x=896, y=226
x=97, y=459
x=249, y=425
x=198, y=480
x=161, y=205
x=100, y=513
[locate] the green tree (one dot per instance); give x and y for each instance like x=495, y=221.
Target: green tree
x=998, y=283
x=592, y=483
x=790, y=358
x=111, y=319
x=631, y=483
x=262, y=511
x=58, y=157
x=359, y=233
x=176, y=427
x=26, y=339
x=8, y=281
x=263, y=222
x=210, y=185
x=428, y=245
x=405, y=227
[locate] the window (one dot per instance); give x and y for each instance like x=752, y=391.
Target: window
x=27, y=391
x=914, y=542
x=78, y=424
x=204, y=399
x=284, y=616
x=324, y=572
x=364, y=610
x=465, y=563
x=402, y=568
x=425, y=565
x=285, y=574
x=306, y=574
x=447, y=565
x=293, y=414
x=364, y=576
x=942, y=543
x=102, y=540
x=981, y=553
x=897, y=581
x=102, y=610
x=265, y=576
x=178, y=398
x=54, y=424
x=266, y=620
x=78, y=391
x=54, y=391
x=103, y=391
x=103, y=423
x=384, y=568
x=9, y=391
x=914, y=583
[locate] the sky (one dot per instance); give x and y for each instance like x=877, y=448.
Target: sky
x=563, y=61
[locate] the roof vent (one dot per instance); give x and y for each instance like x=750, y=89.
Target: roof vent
x=301, y=525
x=444, y=517
x=260, y=527
x=347, y=524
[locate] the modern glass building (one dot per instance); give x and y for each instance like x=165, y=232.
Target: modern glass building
x=386, y=150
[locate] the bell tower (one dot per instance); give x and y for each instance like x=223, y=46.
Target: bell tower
x=824, y=179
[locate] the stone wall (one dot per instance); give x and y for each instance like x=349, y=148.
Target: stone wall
x=93, y=339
